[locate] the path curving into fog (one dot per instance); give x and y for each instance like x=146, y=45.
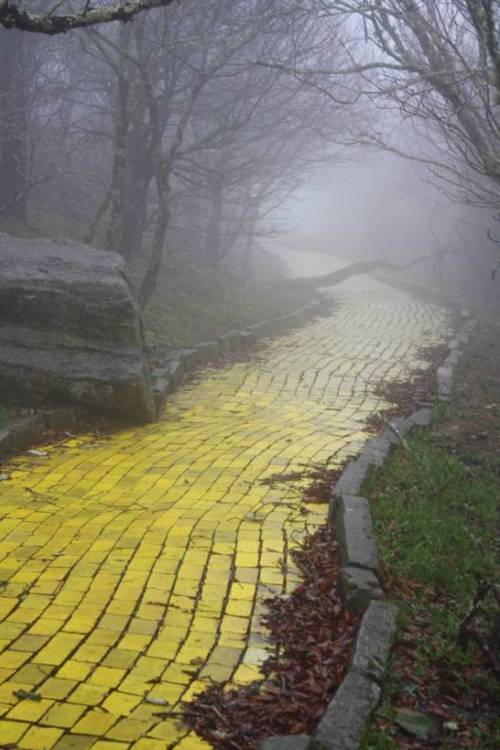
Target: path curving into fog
x=135, y=567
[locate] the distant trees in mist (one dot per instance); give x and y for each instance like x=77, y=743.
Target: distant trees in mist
x=185, y=128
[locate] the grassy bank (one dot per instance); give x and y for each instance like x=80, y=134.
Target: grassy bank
x=435, y=505
x=195, y=304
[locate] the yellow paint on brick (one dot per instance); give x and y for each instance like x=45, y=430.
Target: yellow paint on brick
x=141, y=569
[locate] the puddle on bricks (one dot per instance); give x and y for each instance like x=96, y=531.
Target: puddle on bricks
x=134, y=568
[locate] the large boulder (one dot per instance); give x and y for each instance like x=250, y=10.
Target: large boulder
x=70, y=329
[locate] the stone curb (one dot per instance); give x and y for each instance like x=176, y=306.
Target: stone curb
x=346, y=716
x=167, y=377
x=22, y=431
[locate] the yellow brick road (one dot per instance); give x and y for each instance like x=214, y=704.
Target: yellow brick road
x=133, y=569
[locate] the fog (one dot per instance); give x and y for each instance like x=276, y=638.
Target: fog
x=241, y=136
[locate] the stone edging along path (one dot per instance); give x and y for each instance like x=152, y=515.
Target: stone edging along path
x=23, y=431
x=347, y=714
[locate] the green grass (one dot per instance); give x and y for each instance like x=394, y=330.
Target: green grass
x=435, y=516
x=435, y=511
x=3, y=416
x=195, y=304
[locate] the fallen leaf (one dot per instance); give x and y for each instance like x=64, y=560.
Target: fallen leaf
x=24, y=695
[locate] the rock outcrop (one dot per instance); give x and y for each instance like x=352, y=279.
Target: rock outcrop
x=70, y=330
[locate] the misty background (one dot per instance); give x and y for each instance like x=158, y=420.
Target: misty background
x=240, y=136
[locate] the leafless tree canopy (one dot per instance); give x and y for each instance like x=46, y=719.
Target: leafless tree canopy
x=186, y=127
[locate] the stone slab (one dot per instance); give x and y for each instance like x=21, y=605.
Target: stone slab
x=190, y=357
x=343, y=722
x=355, y=537
x=230, y=342
x=377, y=448
x=374, y=640
x=357, y=588
x=175, y=370
x=422, y=417
x=445, y=381
x=352, y=477
x=21, y=432
x=282, y=742
x=247, y=338
x=61, y=418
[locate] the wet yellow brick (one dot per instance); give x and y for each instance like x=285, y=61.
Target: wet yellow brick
x=128, y=730
x=74, y=670
x=107, y=676
x=63, y=715
x=57, y=688
x=90, y=695
x=192, y=742
x=30, y=711
x=169, y=731
x=155, y=534
x=59, y=647
x=45, y=627
x=11, y=731
x=147, y=744
x=94, y=722
x=13, y=659
x=121, y=704
x=40, y=738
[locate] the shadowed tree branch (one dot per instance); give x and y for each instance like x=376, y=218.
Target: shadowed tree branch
x=13, y=17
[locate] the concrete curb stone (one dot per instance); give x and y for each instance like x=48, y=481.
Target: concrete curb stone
x=355, y=537
x=22, y=431
x=374, y=640
x=357, y=588
x=343, y=722
x=287, y=742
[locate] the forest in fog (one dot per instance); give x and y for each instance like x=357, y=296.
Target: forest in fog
x=187, y=128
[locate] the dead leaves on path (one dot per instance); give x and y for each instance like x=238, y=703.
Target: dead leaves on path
x=314, y=639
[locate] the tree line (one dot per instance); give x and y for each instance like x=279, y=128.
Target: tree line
x=155, y=126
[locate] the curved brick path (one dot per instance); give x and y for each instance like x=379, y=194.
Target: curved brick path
x=134, y=567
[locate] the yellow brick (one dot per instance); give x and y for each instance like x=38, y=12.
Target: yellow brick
x=128, y=730
x=121, y=704
x=57, y=688
x=58, y=649
x=40, y=738
x=12, y=731
x=27, y=710
x=63, y=715
x=95, y=722
x=107, y=676
x=74, y=670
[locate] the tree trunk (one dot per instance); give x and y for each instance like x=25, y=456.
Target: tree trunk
x=213, y=239
x=13, y=125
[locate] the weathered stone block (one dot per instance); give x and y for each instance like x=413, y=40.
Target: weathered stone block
x=377, y=449
x=71, y=330
x=343, y=722
x=190, y=358
x=291, y=742
x=422, y=417
x=445, y=382
x=207, y=351
x=354, y=529
x=175, y=371
x=230, y=342
x=357, y=588
x=247, y=338
x=352, y=477
x=21, y=432
x=61, y=418
x=374, y=640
